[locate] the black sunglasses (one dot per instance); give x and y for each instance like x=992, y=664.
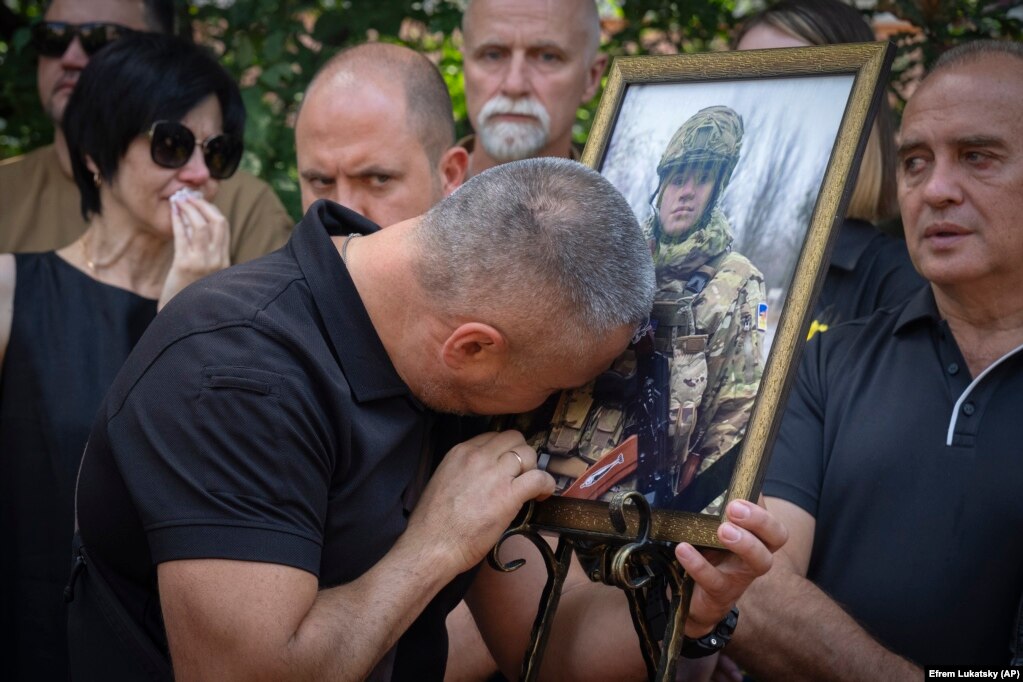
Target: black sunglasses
x=171, y=144
x=51, y=38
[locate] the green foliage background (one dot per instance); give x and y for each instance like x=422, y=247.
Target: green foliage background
x=273, y=47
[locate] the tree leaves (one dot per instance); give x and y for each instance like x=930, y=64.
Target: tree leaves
x=274, y=47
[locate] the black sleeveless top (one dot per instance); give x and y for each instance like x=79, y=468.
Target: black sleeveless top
x=69, y=336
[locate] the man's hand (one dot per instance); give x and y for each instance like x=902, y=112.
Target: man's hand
x=752, y=535
x=202, y=241
x=250, y=620
x=475, y=494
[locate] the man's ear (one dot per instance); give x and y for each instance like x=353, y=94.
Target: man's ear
x=593, y=75
x=475, y=350
x=452, y=168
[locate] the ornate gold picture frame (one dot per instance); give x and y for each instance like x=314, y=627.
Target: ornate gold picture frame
x=791, y=125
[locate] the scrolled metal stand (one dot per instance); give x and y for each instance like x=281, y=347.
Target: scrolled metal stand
x=645, y=570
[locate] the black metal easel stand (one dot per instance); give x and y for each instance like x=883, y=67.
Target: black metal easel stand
x=657, y=588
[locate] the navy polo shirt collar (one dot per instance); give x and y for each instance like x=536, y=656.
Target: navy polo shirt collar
x=918, y=308
x=360, y=353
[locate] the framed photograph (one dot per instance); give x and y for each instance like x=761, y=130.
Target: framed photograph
x=738, y=166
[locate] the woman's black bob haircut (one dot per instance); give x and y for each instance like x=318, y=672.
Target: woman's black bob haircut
x=129, y=85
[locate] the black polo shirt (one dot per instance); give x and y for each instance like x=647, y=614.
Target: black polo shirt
x=258, y=419
x=869, y=270
x=914, y=473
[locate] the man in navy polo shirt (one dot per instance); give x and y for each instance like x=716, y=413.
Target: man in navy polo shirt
x=259, y=498
x=898, y=467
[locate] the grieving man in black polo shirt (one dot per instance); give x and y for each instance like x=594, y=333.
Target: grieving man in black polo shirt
x=254, y=503
x=899, y=465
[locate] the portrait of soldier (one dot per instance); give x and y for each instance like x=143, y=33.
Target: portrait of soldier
x=668, y=416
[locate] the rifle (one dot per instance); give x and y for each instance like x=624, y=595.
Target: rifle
x=645, y=398
x=648, y=418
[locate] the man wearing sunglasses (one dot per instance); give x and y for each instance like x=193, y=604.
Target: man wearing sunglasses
x=41, y=205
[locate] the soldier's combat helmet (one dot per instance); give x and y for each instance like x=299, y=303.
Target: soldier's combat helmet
x=711, y=136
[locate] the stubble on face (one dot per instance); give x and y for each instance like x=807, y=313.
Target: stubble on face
x=439, y=397
x=531, y=376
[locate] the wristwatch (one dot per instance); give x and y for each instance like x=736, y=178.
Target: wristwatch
x=714, y=641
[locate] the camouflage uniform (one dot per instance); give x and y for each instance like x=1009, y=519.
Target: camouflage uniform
x=713, y=389
x=711, y=336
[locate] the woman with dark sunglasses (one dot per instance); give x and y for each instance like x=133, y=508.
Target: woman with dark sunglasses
x=154, y=123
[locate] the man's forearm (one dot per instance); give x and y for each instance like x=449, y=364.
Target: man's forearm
x=252, y=620
x=339, y=633
x=352, y=626
x=790, y=630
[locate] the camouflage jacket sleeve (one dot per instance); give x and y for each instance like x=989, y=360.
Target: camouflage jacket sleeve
x=728, y=314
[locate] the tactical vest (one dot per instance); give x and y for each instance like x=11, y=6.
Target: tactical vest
x=583, y=447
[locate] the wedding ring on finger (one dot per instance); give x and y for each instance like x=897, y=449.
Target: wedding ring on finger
x=522, y=465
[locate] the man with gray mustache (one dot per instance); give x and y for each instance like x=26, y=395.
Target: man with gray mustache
x=505, y=138
x=529, y=65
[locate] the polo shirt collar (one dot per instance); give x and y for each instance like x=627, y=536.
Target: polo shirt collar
x=853, y=239
x=359, y=351
x=918, y=308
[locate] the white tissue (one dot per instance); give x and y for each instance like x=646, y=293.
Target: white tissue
x=184, y=193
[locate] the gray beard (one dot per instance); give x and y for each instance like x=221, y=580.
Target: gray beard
x=505, y=141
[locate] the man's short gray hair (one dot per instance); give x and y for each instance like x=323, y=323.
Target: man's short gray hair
x=546, y=243
x=973, y=50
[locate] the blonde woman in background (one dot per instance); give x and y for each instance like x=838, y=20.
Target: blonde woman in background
x=869, y=269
